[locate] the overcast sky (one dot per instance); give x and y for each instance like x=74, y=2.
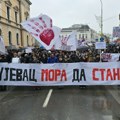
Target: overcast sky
x=65, y=13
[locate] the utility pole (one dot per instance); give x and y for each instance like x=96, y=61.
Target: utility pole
x=101, y=25
x=101, y=17
x=119, y=19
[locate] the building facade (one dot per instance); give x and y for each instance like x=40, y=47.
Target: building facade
x=12, y=13
x=83, y=32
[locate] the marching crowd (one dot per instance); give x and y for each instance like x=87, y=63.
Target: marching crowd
x=42, y=56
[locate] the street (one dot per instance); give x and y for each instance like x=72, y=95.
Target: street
x=54, y=103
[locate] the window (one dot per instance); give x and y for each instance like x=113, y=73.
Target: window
x=79, y=36
x=16, y=14
x=76, y=36
x=83, y=36
x=10, y=37
x=8, y=13
x=0, y=32
x=17, y=38
x=27, y=40
x=26, y=17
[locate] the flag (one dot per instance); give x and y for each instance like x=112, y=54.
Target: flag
x=116, y=32
x=68, y=43
x=98, y=18
x=42, y=29
x=82, y=43
x=2, y=46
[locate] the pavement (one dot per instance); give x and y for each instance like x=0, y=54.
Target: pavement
x=115, y=92
x=5, y=93
x=68, y=103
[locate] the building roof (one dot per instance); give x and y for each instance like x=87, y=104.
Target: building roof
x=29, y=2
x=77, y=27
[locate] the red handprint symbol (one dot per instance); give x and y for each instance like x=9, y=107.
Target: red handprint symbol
x=42, y=30
x=46, y=36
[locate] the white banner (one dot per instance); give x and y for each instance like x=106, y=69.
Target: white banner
x=29, y=49
x=100, y=45
x=60, y=74
x=68, y=43
x=82, y=43
x=110, y=57
x=2, y=46
x=116, y=32
x=42, y=30
x=98, y=18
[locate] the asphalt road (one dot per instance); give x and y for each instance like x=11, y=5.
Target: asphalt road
x=52, y=103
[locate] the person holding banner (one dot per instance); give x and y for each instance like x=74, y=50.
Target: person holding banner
x=3, y=59
x=44, y=58
x=66, y=59
x=15, y=59
x=60, y=59
x=52, y=58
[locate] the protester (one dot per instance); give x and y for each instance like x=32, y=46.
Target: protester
x=41, y=56
x=52, y=59
x=2, y=60
x=16, y=58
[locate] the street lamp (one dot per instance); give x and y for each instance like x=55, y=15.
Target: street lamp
x=101, y=25
x=101, y=17
x=119, y=19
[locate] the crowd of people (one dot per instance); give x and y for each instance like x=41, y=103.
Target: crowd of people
x=42, y=56
x=38, y=55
